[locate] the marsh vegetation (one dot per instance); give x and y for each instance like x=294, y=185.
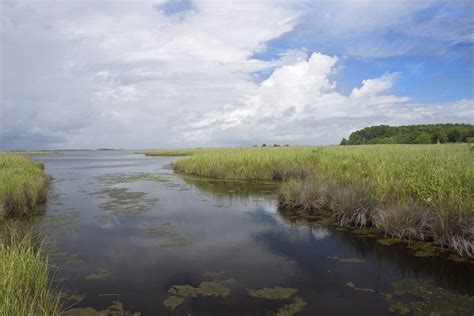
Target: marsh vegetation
x=415, y=192
x=126, y=235
x=23, y=185
x=25, y=284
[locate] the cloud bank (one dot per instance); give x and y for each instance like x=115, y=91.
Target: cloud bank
x=146, y=74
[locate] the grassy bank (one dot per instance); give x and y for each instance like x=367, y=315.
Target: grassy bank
x=23, y=184
x=172, y=152
x=25, y=287
x=420, y=192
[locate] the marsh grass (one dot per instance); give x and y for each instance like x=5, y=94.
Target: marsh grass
x=172, y=152
x=25, y=286
x=23, y=185
x=417, y=192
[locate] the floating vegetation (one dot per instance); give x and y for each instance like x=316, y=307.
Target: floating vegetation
x=396, y=306
x=73, y=297
x=214, y=274
x=457, y=258
x=58, y=221
x=365, y=231
x=390, y=241
x=276, y=293
x=423, y=249
x=120, y=178
x=173, y=301
x=215, y=288
x=116, y=309
x=100, y=274
x=353, y=286
x=347, y=260
x=281, y=293
x=122, y=201
x=104, y=219
x=434, y=300
x=167, y=231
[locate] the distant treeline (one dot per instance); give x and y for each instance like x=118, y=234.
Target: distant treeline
x=412, y=134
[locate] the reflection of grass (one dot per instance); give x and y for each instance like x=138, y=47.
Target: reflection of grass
x=224, y=189
x=23, y=184
x=24, y=285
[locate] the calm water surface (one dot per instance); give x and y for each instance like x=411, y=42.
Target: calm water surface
x=123, y=227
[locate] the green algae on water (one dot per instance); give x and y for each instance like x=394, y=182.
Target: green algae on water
x=281, y=293
x=100, y=274
x=116, y=309
x=276, y=293
x=425, y=249
x=365, y=231
x=179, y=293
x=173, y=301
x=353, y=286
x=390, y=241
x=347, y=260
x=123, y=178
x=122, y=201
x=433, y=300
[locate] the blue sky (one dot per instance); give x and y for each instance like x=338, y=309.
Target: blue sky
x=432, y=68
x=187, y=73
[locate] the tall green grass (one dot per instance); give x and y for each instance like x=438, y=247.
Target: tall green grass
x=23, y=184
x=25, y=286
x=409, y=191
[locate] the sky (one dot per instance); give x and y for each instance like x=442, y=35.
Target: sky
x=192, y=73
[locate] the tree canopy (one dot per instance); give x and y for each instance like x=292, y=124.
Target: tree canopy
x=412, y=134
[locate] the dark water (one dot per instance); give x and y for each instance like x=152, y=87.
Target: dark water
x=149, y=229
